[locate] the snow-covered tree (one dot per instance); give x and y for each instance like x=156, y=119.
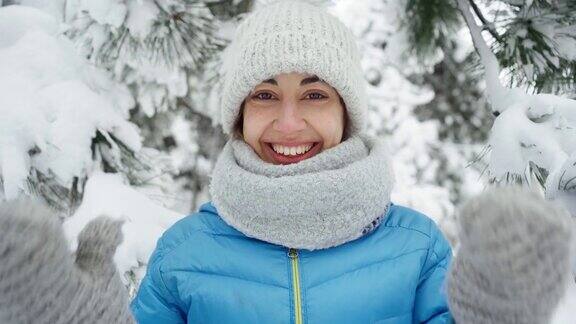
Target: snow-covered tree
x=62, y=118
x=534, y=135
x=534, y=41
x=66, y=136
x=527, y=50
x=151, y=46
x=166, y=53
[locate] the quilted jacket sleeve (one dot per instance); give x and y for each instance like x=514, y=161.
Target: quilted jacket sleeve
x=154, y=303
x=431, y=304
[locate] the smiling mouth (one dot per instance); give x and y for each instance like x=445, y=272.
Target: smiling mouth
x=289, y=158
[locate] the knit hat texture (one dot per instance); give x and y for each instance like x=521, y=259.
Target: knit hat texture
x=292, y=36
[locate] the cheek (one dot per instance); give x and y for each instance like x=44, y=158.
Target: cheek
x=254, y=124
x=330, y=125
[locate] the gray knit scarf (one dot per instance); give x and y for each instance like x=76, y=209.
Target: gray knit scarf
x=331, y=198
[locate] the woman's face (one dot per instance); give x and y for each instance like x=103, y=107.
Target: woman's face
x=292, y=117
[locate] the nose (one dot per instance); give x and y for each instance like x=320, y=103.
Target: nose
x=289, y=119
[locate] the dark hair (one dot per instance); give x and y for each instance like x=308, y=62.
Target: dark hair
x=239, y=123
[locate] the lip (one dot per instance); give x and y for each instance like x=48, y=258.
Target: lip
x=283, y=159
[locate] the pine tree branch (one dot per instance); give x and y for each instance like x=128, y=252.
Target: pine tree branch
x=488, y=59
x=485, y=23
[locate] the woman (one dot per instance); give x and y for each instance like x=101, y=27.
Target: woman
x=300, y=228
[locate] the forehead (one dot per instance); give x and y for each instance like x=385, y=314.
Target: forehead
x=302, y=78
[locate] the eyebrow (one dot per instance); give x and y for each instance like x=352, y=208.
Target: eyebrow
x=305, y=81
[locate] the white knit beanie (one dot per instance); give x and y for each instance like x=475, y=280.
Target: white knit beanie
x=293, y=36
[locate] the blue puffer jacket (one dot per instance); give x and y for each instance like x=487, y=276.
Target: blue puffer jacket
x=205, y=271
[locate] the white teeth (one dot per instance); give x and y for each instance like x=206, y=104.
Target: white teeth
x=294, y=150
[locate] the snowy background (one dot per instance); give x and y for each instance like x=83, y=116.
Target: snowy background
x=110, y=106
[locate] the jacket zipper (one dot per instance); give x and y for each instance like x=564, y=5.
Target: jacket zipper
x=293, y=254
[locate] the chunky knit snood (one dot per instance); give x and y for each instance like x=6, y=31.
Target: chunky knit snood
x=329, y=199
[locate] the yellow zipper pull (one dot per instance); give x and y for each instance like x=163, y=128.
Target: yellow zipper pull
x=292, y=253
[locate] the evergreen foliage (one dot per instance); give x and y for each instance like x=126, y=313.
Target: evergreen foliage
x=428, y=21
x=534, y=45
x=537, y=45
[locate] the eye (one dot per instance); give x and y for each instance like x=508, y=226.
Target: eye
x=316, y=96
x=263, y=96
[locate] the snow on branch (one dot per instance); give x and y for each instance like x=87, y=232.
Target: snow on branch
x=529, y=128
x=53, y=107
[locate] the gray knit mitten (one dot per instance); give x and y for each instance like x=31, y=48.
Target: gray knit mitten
x=513, y=263
x=40, y=282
